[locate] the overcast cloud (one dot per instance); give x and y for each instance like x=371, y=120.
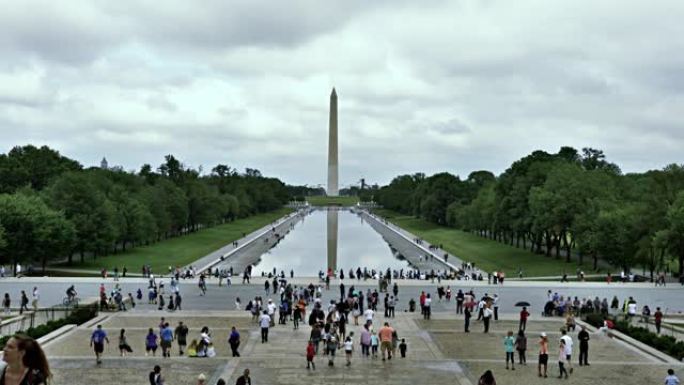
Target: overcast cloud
x=434, y=86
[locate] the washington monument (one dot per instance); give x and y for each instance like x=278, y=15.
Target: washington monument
x=332, y=146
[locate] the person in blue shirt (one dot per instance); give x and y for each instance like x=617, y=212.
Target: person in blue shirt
x=97, y=340
x=234, y=341
x=166, y=336
x=509, y=346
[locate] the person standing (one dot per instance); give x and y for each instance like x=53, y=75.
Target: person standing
x=671, y=379
x=567, y=344
x=524, y=314
x=234, y=341
x=151, y=342
x=486, y=317
x=495, y=304
x=36, y=297
x=26, y=362
x=658, y=317
x=181, y=335
x=521, y=347
x=509, y=345
x=467, y=315
x=427, y=307
x=543, y=354
x=583, y=337
x=459, y=301
x=562, y=359
x=244, y=379
x=97, y=340
x=264, y=322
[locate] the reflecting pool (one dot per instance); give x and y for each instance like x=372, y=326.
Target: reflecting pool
x=337, y=239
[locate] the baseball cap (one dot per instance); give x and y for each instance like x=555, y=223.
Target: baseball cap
x=543, y=334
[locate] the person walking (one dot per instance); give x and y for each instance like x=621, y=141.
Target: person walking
x=166, y=337
x=521, y=347
x=6, y=302
x=244, y=379
x=151, y=342
x=543, y=354
x=124, y=347
x=427, y=307
x=658, y=318
x=671, y=379
x=26, y=362
x=234, y=341
x=509, y=346
x=562, y=359
x=264, y=322
x=487, y=378
x=583, y=337
x=97, y=340
x=310, y=354
x=385, y=335
x=155, y=376
x=181, y=335
x=495, y=304
x=24, y=302
x=332, y=343
x=348, y=349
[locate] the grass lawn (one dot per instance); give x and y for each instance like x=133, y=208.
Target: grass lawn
x=180, y=250
x=332, y=201
x=487, y=254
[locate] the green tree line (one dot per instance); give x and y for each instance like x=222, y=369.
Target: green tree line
x=568, y=205
x=52, y=208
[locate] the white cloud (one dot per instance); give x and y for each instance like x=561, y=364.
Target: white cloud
x=447, y=85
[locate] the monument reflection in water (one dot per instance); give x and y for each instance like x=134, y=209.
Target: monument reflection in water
x=335, y=238
x=333, y=219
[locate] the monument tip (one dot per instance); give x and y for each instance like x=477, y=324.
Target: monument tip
x=333, y=92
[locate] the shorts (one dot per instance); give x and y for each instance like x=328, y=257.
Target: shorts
x=165, y=344
x=543, y=359
x=151, y=348
x=568, y=357
x=385, y=346
x=99, y=347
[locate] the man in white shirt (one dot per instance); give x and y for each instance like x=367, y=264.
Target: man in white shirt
x=368, y=313
x=568, y=347
x=631, y=309
x=486, y=316
x=36, y=297
x=264, y=322
x=271, y=307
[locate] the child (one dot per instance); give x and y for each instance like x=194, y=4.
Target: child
x=374, y=344
x=402, y=348
x=310, y=353
x=348, y=348
x=192, y=349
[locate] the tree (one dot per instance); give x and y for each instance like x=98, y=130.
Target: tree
x=675, y=231
x=33, y=231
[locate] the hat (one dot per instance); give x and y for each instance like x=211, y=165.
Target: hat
x=201, y=377
x=543, y=334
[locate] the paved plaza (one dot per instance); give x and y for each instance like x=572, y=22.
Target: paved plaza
x=438, y=351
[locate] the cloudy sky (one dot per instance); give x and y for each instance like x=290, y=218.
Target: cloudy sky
x=430, y=86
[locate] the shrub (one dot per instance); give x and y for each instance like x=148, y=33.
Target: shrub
x=78, y=316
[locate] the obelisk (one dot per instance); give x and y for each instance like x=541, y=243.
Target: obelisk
x=332, y=146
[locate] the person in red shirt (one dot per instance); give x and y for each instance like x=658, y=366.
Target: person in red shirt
x=422, y=302
x=523, y=318
x=658, y=315
x=310, y=353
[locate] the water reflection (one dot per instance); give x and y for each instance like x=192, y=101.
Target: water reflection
x=331, y=238
x=333, y=219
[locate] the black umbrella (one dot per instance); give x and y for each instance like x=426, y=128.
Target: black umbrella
x=522, y=303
